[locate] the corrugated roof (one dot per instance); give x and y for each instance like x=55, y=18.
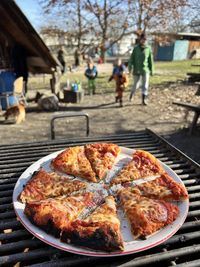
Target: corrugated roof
x=16, y=28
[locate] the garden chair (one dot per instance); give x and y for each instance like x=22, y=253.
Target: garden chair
x=12, y=97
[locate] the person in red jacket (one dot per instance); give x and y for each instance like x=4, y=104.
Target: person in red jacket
x=120, y=76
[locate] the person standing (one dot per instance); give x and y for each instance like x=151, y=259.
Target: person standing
x=77, y=55
x=61, y=59
x=141, y=62
x=91, y=73
x=119, y=74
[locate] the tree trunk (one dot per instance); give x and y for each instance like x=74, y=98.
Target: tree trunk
x=103, y=54
x=105, y=28
x=79, y=24
x=139, y=26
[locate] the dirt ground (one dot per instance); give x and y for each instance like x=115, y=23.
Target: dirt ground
x=106, y=117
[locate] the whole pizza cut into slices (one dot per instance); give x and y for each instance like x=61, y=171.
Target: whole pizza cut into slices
x=55, y=214
x=99, y=231
x=74, y=161
x=102, y=157
x=84, y=214
x=146, y=215
x=163, y=187
x=44, y=185
x=142, y=165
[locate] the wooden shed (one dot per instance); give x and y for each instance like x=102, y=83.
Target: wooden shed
x=17, y=31
x=177, y=46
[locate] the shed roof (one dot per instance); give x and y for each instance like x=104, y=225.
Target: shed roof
x=191, y=34
x=180, y=35
x=16, y=28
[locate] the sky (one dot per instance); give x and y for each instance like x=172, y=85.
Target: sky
x=32, y=11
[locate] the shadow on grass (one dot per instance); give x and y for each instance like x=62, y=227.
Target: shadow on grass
x=4, y=122
x=72, y=108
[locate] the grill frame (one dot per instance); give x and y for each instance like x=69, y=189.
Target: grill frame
x=18, y=245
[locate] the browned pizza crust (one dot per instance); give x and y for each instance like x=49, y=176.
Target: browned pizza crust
x=55, y=214
x=99, y=231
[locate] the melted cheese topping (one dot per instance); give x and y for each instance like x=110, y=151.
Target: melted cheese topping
x=105, y=213
x=60, y=210
x=142, y=165
x=73, y=161
x=101, y=157
x=153, y=210
x=111, y=203
x=155, y=190
x=44, y=185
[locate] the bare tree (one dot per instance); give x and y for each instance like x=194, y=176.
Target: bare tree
x=102, y=23
x=110, y=21
x=155, y=15
x=194, y=16
x=71, y=13
x=188, y=19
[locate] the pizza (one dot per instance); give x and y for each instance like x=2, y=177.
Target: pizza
x=146, y=215
x=142, y=165
x=44, y=185
x=101, y=157
x=77, y=211
x=90, y=162
x=53, y=214
x=163, y=187
x=101, y=229
x=74, y=161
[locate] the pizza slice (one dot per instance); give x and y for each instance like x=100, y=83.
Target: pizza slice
x=102, y=157
x=163, y=187
x=99, y=231
x=73, y=161
x=53, y=214
x=44, y=185
x=142, y=165
x=146, y=215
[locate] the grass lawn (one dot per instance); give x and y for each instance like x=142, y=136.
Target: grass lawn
x=164, y=72
x=173, y=71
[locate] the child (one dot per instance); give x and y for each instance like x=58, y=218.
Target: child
x=120, y=76
x=91, y=73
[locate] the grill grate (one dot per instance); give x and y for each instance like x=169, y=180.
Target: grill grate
x=19, y=246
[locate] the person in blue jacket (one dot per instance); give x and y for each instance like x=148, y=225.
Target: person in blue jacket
x=91, y=73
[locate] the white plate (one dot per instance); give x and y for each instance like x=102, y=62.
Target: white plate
x=131, y=246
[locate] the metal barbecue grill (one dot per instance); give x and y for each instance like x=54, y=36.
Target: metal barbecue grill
x=18, y=247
